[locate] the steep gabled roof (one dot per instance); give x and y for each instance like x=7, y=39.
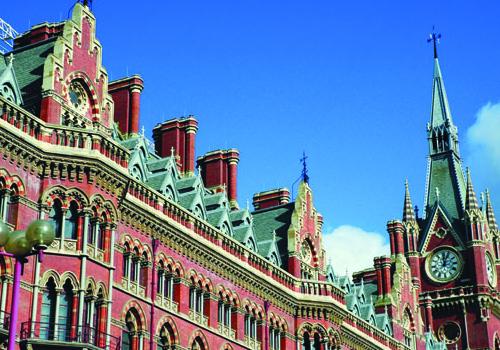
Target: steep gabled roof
x=274, y=220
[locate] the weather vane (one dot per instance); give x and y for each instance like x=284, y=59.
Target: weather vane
x=305, y=177
x=434, y=38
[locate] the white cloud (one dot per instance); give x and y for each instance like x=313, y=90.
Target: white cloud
x=483, y=142
x=353, y=249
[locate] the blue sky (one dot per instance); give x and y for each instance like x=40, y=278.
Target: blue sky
x=348, y=82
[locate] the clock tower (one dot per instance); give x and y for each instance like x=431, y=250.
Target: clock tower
x=453, y=251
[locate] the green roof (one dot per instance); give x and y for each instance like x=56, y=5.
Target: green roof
x=155, y=181
x=275, y=219
x=28, y=66
x=158, y=164
x=186, y=183
x=187, y=199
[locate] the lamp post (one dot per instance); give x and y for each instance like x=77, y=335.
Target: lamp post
x=19, y=245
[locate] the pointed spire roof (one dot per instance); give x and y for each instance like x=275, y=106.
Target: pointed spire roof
x=444, y=171
x=470, y=198
x=440, y=113
x=490, y=214
x=408, y=213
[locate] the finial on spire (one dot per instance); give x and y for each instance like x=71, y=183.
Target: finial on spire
x=10, y=58
x=408, y=213
x=172, y=151
x=490, y=214
x=303, y=160
x=434, y=37
x=437, y=194
x=470, y=196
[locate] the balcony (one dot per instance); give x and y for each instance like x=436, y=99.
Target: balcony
x=133, y=287
x=63, y=336
x=166, y=303
x=198, y=318
x=226, y=331
x=252, y=343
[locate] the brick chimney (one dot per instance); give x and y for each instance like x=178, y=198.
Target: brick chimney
x=383, y=272
x=126, y=94
x=179, y=134
x=396, y=230
x=220, y=168
x=271, y=198
x=38, y=33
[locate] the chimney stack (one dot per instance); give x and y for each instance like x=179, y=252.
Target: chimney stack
x=180, y=134
x=220, y=168
x=126, y=94
x=272, y=198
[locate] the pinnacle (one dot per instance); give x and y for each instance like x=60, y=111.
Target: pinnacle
x=490, y=214
x=470, y=199
x=408, y=213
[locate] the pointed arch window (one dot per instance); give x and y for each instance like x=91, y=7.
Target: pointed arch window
x=166, y=338
x=48, y=311
x=274, y=338
x=56, y=217
x=165, y=286
x=65, y=310
x=198, y=344
x=306, y=342
x=71, y=224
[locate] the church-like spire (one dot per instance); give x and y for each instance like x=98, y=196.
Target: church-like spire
x=490, y=214
x=470, y=199
x=445, y=178
x=408, y=213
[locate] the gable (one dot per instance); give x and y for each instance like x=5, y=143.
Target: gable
x=439, y=231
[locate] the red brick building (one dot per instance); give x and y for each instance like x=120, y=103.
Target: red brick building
x=153, y=253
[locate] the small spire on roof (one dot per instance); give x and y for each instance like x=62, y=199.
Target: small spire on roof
x=437, y=194
x=172, y=151
x=470, y=197
x=10, y=58
x=490, y=214
x=305, y=176
x=408, y=213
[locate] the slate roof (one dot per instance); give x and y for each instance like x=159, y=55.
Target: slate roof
x=28, y=66
x=275, y=219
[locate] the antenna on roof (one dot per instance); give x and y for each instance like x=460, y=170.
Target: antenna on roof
x=7, y=36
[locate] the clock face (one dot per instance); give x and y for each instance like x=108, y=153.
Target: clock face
x=490, y=270
x=444, y=265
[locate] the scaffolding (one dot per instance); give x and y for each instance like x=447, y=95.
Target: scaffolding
x=7, y=35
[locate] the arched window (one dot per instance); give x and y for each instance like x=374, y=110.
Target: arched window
x=127, y=261
x=274, y=337
x=135, y=266
x=250, y=325
x=65, y=312
x=198, y=344
x=3, y=291
x=317, y=342
x=71, y=224
x=166, y=338
x=131, y=335
x=88, y=333
x=306, y=342
x=56, y=216
x=224, y=311
x=165, y=286
x=144, y=270
x=48, y=312
x=196, y=298
x=12, y=205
